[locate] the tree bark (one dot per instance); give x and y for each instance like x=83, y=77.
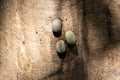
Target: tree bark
x=27, y=43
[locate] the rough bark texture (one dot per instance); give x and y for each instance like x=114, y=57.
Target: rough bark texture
x=27, y=44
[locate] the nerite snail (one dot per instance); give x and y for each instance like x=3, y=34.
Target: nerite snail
x=57, y=27
x=60, y=46
x=70, y=38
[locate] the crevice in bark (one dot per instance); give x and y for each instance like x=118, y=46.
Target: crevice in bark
x=80, y=14
x=85, y=29
x=2, y=14
x=85, y=40
x=1, y=27
x=108, y=22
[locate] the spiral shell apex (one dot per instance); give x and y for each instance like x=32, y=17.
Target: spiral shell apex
x=70, y=38
x=60, y=46
x=56, y=25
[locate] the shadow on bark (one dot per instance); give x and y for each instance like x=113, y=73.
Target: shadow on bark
x=57, y=34
x=97, y=23
x=80, y=67
x=62, y=55
x=96, y=28
x=2, y=14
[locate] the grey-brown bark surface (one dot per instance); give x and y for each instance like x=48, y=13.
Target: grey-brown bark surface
x=27, y=44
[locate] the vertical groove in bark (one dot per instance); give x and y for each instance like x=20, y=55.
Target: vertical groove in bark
x=108, y=22
x=85, y=29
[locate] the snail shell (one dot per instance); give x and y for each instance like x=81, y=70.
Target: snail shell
x=70, y=38
x=56, y=25
x=60, y=46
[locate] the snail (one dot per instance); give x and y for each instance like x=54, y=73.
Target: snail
x=56, y=25
x=70, y=38
x=60, y=46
